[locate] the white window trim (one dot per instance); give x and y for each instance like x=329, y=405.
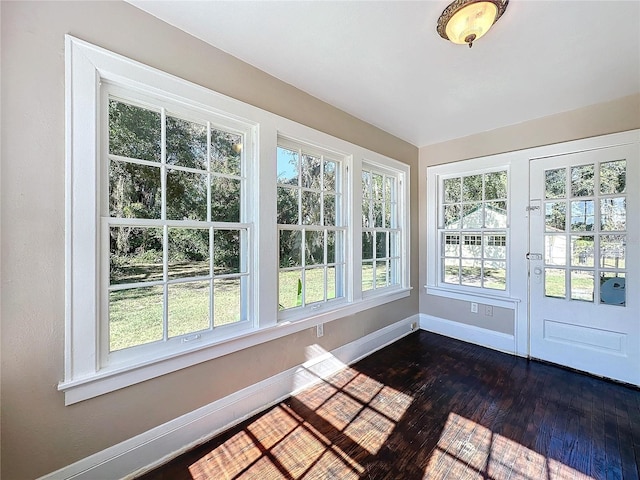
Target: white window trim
x=86, y=66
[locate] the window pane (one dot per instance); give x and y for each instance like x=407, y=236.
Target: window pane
x=452, y=192
x=330, y=168
x=289, y=289
x=495, y=185
x=331, y=283
x=310, y=208
x=555, y=183
x=495, y=246
x=290, y=248
x=381, y=273
x=555, y=216
x=495, y=215
x=582, y=215
x=472, y=216
x=367, y=276
x=331, y=246
x=367, y=220
x=287, y=166
x=186, y=195
x=381, y=245
x=613, y=177
x=135, y=317
x=494, y=275
x=314, y=247
x=329, y=209
x=472, y=188
x=555, y=249
x=227, y=252
x=582, y=251
x=554, y=283
x=472, y=246
x=394, y=271
x=613, y=251
x=226, y=152
x=367, y=245
x=225, y=199
x=612, y=288
x=451, y=245
x=311, y=174
x=227, y=306
x=186, y=143
x=134, y=190
x=394, y=244
x=135, y=254
x=582, y=285
x=188, y=307
x=451, y=271
x=288, y=206
x=188, y=252
x=471, y=273
x=613, y=214
x=378, y=199
x=134, y=132
x=314, y=285
x=452, y=217
x=582, y=181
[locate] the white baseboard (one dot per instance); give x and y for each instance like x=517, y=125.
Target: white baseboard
x=469, y=333
x=158, y=445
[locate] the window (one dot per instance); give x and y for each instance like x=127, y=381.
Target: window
x=311, y=227
x=473, y=219
x=173, y=215
x=177, y=201
x=381, y=232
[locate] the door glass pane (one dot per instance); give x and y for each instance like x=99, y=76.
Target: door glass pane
x=555, y=183
x=555, y=249
x=582, y=215
x=555, y=216
x=613, y=214
x=582, y=181
x=554, y=283
x=613, y=251
x=613, y=177
x=612, y=288
x=582, y=251
x=582, y=285
x=188, y=307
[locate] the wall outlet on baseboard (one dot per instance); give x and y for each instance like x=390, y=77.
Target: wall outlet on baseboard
x=320, y=330
x=488, y=310
x=474, y=307
x=414, y=326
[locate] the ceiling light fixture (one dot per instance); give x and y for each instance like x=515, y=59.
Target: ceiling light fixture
x=465, y=21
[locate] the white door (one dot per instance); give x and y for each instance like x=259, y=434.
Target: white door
x=584, y=261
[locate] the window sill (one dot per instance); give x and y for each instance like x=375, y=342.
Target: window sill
x=107, y=381
x=497, y=300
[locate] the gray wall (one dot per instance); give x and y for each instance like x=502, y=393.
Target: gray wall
x=616, y=116
x=40, y=434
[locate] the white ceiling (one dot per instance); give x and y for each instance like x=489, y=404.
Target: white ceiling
x=383, y=61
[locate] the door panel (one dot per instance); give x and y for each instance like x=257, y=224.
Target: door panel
x=585, y=264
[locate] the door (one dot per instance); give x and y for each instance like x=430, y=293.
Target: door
x=584, y=261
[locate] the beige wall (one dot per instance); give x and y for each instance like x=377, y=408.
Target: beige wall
x=616, y=116
x=40, y=434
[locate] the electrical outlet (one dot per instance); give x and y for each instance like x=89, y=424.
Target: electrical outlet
x=474, y=307
x=414, y=326
x=488, y=310
x=320, y=330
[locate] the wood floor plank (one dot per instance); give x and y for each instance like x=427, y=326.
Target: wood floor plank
x=430, y=407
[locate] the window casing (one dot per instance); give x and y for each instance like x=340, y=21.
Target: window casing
x=311, y=227
x=473, y=220
x=133, y=233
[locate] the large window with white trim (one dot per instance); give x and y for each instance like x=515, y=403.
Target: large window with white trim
x=195, y=225
x=473, y=230
x=311, y=226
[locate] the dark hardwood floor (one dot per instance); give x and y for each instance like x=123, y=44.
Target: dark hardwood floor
x=435, y=408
